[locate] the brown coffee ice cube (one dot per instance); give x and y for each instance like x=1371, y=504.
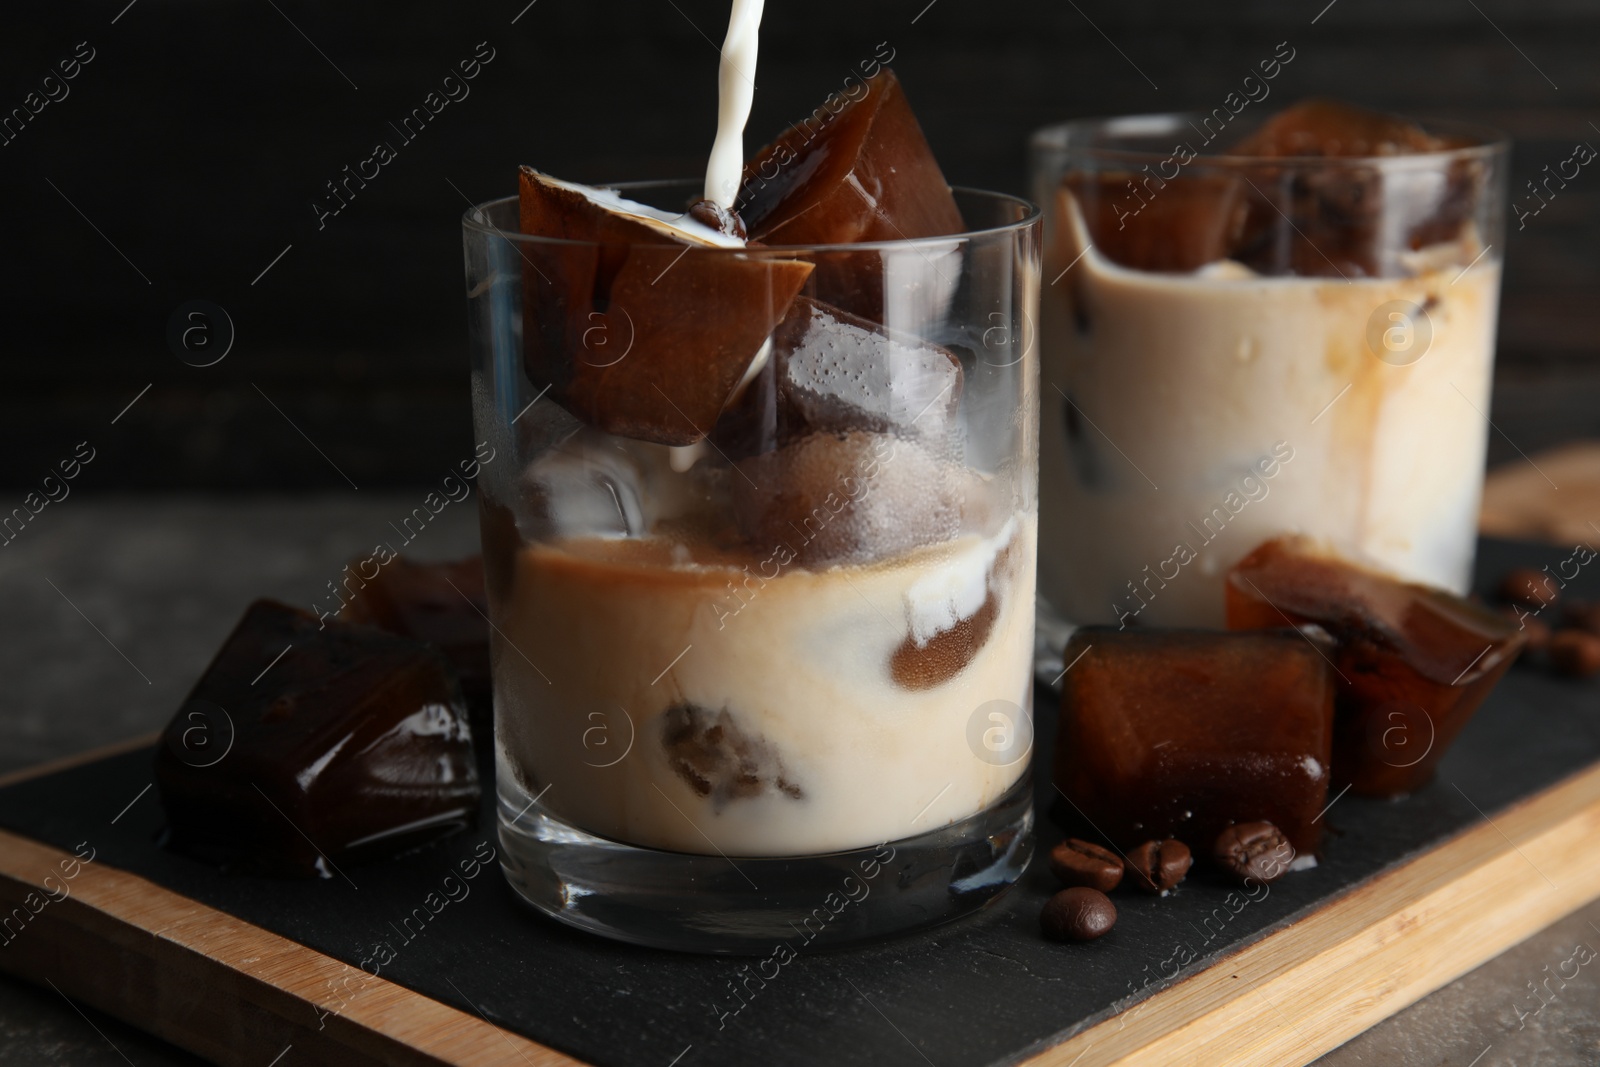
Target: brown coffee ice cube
x=438, y=604
x=1178, y=225
x=308, y=745
x=1179, y=733
x=1412, y=662
x=1320, y=127
x=856, y=169
x=1338, y=219
x=641, y=329
x=719, y=759
x=849, y=497
x=946, y=654
x=927, y=660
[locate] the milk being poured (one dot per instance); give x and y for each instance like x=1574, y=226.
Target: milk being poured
x=736, y=89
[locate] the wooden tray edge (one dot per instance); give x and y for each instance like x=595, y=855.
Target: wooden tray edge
x=215, y=984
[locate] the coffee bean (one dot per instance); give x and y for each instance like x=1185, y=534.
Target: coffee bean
x=1539, y=634
x=1528, y=587
x=1582, y=614
x=1157, y=866
x=1078, y=862
x=1575, y=653
x=1077, y=914
x=723, y=220
x=1253, y=850
x=1536, y=629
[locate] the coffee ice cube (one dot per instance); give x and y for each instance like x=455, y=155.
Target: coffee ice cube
x=751, y=424
x=1320, y=127
x=719, y=759
x=849, y=497
x=856, y=169
x=309, y=744
x=644, y=324
x=1342, y=218
x=1145, y=223
x=1180, y=733
x=1314, y=224
x=1412, y=663
x=440, y=604
x=944, y=655
x=839, y=372
x=952, y=609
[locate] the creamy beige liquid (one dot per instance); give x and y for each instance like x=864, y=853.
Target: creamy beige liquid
x=1185, y=384
x=609, y=635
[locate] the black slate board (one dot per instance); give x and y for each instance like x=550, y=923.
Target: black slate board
x=983, y=990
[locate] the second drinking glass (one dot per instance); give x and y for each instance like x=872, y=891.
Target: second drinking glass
x=1246, y=342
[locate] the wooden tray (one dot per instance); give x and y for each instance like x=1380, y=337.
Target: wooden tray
x=1408, y=896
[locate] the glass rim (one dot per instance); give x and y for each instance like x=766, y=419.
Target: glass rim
x=472, y=221
x=1055, y=139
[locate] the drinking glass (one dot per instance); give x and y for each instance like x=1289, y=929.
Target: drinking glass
x=761, y=674
x=1240, y=347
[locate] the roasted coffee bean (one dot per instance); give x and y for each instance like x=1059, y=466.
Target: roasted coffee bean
x=1077, y=914
x=1582, y=614
x=1253, y=851
x=1528, y=587
x=1078, y=862
x=1157, y=866
x=723, y=220
x=1575, y=653
x=1537, y=629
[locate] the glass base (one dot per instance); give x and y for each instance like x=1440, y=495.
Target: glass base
x=749, y=905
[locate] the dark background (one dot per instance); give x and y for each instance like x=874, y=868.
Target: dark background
x=198, y=137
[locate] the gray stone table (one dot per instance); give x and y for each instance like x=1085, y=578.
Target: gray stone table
x=111, y=607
